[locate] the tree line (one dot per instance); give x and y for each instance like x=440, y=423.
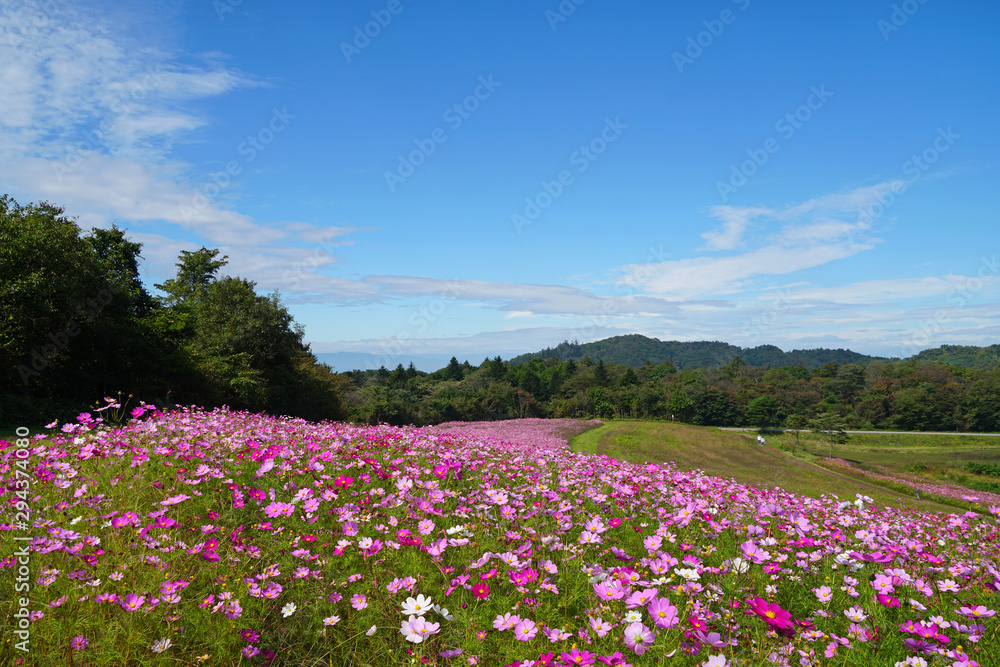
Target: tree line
x=897, y=395
x=77, y=324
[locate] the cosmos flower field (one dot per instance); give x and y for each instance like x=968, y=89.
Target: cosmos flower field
x=227, y=538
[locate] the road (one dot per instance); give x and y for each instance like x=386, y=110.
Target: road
x=805, y=430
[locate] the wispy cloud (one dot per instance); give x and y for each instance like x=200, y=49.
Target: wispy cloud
x=520, y=300
x=89, y=120
x=735, y=221
x=810, y=234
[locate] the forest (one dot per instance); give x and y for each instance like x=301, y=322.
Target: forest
x=899, y=395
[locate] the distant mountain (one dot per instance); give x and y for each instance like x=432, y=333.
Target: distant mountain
x=635, y=349
x=966, y=356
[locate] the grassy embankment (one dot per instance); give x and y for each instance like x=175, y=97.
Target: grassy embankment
x=737, y=455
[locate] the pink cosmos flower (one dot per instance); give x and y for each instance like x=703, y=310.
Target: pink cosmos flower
x=638, y=637
x=663, y=612
x=416, y=629
x=359, y=601
x=249, y=635
x=506, y=622
x=525, y=630
x=279, y=509
x=823, y=593
x=887, y=600
x=481, y=590
x=713, y=639
x=609, y=591
x=976, y=612
x=640, y=598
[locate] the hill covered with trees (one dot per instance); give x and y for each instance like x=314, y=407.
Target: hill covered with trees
x=636, y=349
x=966, y=356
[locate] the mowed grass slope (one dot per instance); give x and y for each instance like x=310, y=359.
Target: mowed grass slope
x=732, y=455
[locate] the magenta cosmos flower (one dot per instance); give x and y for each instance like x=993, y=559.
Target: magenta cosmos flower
x=578, y=657
x=132, y=602
x=772, y=613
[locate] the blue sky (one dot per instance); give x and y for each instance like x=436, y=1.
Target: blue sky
x=480, y=179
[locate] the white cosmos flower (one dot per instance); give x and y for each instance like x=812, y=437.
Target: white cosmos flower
x=161, y=645
x=288, y=609
x=856, y=614
x=633, y=616
x=417, y=606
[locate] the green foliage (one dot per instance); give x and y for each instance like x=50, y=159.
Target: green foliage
x=991, y=469
x=966, y=356
x=76, y=324
x=831, y=425
x=680, y=406
x=601, y=376
x=195, y=271
x=763, y=412
x=453, y=371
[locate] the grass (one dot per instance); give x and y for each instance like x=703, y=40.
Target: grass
x=738, y=456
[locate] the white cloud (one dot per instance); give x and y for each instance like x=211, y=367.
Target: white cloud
x=735, y=220
x=892, y=290
x=813, y=233
x=522, y=298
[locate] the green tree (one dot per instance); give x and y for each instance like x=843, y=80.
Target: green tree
x=52, y=288
x=831, y=425
x=795, y=423
x=247, y=345
x=663, y=370
x=195, y=271
x=680, y=406
x=983, y=405
x=601, y=377
x=453, y=371
x=715, y=408
x=762, y=412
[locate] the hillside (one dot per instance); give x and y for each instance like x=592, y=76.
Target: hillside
x=966, y=356
x=635, y=349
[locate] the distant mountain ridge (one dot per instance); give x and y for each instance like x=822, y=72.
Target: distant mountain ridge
x=635, y=349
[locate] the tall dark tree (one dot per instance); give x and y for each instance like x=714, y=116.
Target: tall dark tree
x=195, y=271
x=453, y=371
x=601, y=376
x=246, y=343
